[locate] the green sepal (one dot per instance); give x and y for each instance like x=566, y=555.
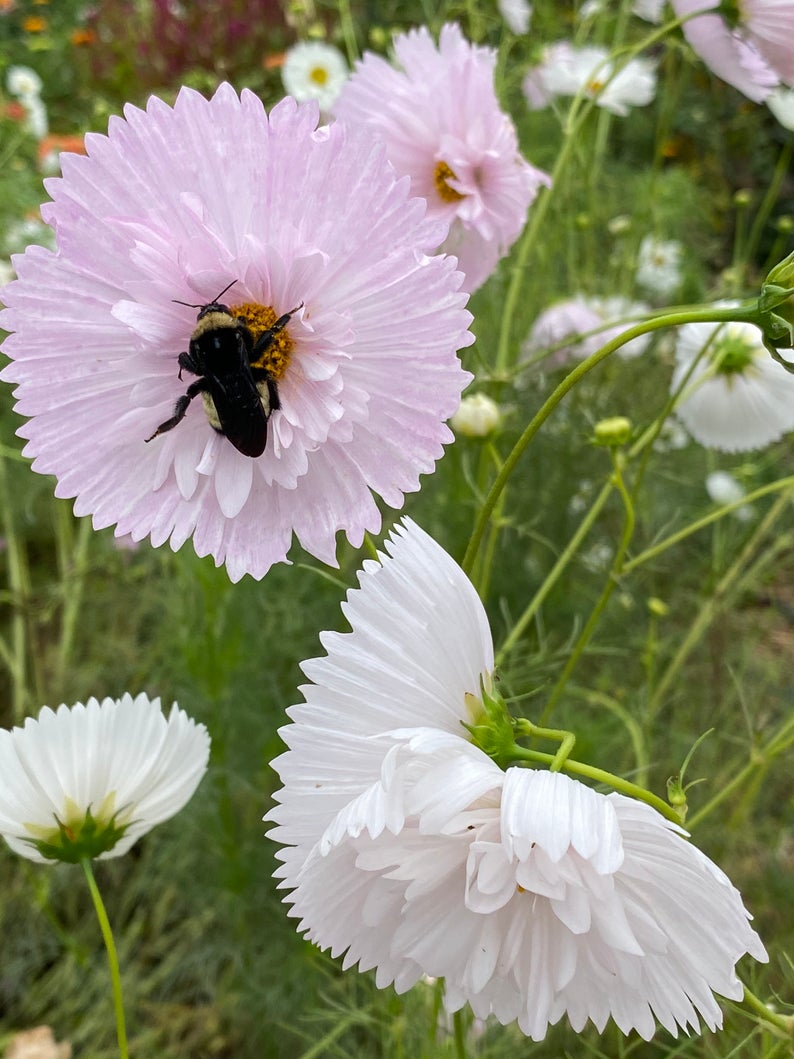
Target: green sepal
x=73, y=844
x=492, y=729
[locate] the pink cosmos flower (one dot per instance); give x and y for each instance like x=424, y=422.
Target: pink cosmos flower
x=575, y=317
x=178, y=204
x=753, y=56
x=440, y=120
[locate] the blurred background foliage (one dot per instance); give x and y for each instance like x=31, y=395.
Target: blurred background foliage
x=211, y=964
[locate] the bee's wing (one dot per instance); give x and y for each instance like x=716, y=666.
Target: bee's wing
x=242, y=417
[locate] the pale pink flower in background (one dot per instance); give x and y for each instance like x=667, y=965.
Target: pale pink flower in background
x=574, y=317
x=568, y=70
x=440, y=120
x=753, y=56
x=177, y=204
x=737, y=398
x=116, y=768
x=409, y=851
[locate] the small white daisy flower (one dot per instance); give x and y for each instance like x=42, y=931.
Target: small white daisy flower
x=478, y=416
x=649, y=10
x=408, y=850
x=23, y=82
x=738, y=398
x=659, y=266
x=314, y=70
x=87, y=781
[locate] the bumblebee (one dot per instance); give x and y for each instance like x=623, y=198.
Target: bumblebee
x=238, y=395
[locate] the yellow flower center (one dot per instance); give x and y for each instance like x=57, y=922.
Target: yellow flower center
x=441, y=176
x=319, y=75
x=258, y=318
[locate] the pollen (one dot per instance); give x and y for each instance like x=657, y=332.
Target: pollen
x=441, y=177
x=276, y=355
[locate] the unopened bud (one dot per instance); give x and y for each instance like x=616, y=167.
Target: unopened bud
x=478, y=416
x=613, y=432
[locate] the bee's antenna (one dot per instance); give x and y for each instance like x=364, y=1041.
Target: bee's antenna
x=214, y=300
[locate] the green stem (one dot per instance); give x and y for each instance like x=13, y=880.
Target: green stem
x=609, y=588
x=674, y=319
x=761, y=759
x=782, y=1023
x=113, y=961
x=704, y=617
x=772, y=192
x=348, y=31
x=460, y=1034
x=19, y=585
x=701, y=523
x=579, y=768
x=73, y=571
x=551, y=578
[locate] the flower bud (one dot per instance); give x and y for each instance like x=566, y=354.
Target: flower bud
x=477, y=416
x=612, y=432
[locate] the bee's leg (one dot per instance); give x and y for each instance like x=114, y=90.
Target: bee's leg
x=187, y=363
x=263, y=375
x=181, y=406
x=267, y=337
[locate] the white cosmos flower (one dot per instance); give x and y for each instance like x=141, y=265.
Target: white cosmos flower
x=89, y=780
x=737, y=398
x=723, y=488
x=781, y=103
x=567, y=70
x=516, y=14
x=314, y=70
x=408, y=850
x=659, y=266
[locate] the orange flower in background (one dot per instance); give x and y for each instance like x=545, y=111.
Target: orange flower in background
x=50, y=148
x=34, y=24
x=82, y=36
x=6, y=6
x=274, y=61
x=13, y=110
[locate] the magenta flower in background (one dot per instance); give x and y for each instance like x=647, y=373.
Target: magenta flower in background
x=177, y=204
x=755, y=54
x=441, y=122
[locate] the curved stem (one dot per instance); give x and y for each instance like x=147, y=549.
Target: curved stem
x=113, y=961
x=701, y=523
x=579, y=768
x=609, y=588
x=782, y=1023
x=674, y=319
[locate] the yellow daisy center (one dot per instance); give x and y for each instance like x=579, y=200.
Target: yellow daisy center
x=258, y=318
x=442, y=175
x=319, y=75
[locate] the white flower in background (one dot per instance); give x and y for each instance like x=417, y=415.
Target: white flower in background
x=590, y=9
x=517, y=14
x=408, y=850
x=23, y=82
x=89, y=780
x=575, y=317
x=38, y=1043
x=737, y=398
x=659, y=266
x=36, y=118
x=314, y=70
x=781, y=103
x=723, y=489
x=567, y=70
x=672, y=437
x=650, y=10
x=478, y=416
